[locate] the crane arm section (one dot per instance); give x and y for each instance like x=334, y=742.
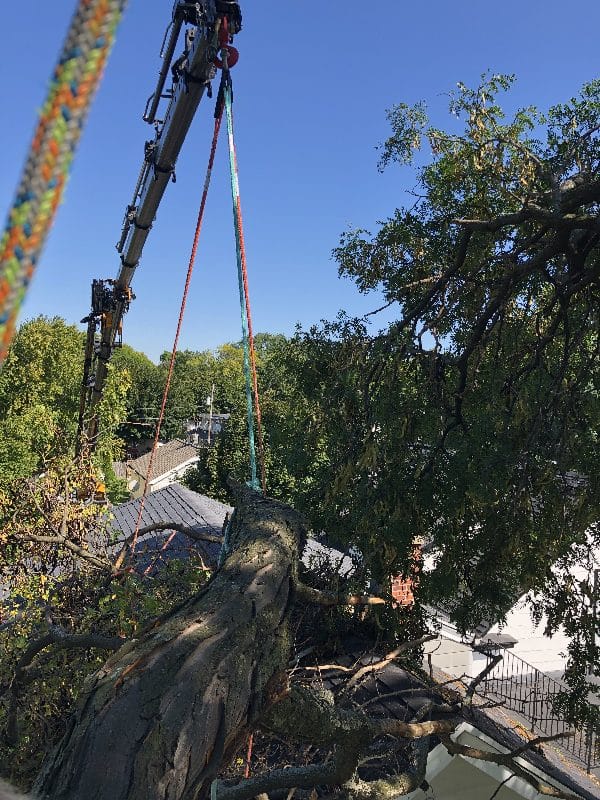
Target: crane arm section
x=191, y=74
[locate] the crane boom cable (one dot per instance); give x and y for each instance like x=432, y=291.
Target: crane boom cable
x=62, y=117
x=199, y=222
x=250, y=371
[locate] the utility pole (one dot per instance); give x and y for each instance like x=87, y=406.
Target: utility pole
x=209, y=402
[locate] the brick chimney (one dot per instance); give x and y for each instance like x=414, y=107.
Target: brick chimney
x=404, y=587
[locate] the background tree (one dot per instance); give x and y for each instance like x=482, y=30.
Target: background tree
x=190, y=386
x=473, y=419
x=291, y=440
x=39, y=399
x=39, y=391
x=143, y=397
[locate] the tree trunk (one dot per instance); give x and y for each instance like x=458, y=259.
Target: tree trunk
x=166, y=711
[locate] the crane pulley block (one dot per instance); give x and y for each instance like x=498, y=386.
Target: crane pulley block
x=107, y=295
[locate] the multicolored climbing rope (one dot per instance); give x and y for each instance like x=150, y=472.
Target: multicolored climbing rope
x=73, y=84
x=250, y=372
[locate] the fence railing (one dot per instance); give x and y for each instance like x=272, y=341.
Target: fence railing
x=523, y=688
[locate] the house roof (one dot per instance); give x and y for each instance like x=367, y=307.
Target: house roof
x=173, y=503
x=167, y=457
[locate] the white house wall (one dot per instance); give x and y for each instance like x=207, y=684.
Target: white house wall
x=547, y=654
x=542, y=652
x=459, y=778
x=172, y=475
x=463, y=781
x=136, y=486
x=451, y=655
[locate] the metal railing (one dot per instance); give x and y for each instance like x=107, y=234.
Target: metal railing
x=523, y=688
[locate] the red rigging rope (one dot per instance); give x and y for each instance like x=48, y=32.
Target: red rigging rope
x=211, y=161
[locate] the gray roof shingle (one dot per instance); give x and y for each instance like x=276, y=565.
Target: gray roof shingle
x=168, y=456
x=173, y=503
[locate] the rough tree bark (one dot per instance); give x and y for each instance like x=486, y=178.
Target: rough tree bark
x=162, y=715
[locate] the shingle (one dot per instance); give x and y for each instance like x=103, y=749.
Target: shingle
x=168, y=456
x=173, y=503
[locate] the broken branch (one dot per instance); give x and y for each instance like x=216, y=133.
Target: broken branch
x=379, y=665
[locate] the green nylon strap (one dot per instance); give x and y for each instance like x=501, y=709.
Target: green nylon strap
x=235, y=196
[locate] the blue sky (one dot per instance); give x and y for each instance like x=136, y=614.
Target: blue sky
x=311, y=89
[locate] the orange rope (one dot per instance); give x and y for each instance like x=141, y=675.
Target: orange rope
x=249, y=756
x=153, y=563
x=237, y=207
x=211, y=161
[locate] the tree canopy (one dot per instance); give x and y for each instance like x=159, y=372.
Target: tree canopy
x=472, y=421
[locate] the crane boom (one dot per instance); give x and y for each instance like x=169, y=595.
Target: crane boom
x=191, y=73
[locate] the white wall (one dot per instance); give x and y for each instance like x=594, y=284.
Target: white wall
x=136, y=483
x=172, y=476
x=463, y=781
x=542, y=652
x=459, y=778
x=548, y=654
x=456, y=658
x=453, y=657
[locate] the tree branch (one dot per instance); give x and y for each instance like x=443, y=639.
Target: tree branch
x=76, y=549
x=339, y=771
x=25, y=674
x=174, y=526
x=60, y=535
x=481, y=677
x=410, y=730
x=308, y=715
x=388, y=788
x=324, y=598
x=567, y=221
x=162, y=526
x=507, y=760
x=379, y=665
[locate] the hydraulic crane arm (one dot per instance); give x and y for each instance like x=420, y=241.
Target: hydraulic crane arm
x=191, y=74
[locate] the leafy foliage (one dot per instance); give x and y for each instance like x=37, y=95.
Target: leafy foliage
x=292, y=465
x=473, y=420
x=39, y=391
x=39, y=399
x=64, y=604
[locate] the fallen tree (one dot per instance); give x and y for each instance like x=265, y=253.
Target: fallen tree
x=169, y=708
x=166, y=713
